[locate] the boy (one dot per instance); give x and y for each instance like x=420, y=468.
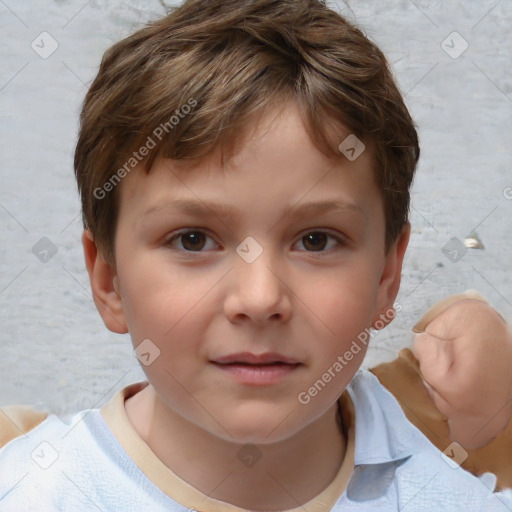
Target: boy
x=248, y=129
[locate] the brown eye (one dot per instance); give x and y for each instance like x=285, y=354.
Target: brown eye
x=315, y=241
x=318, y=241
x=191, y=241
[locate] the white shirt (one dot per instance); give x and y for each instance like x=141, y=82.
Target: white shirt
x=80, y=465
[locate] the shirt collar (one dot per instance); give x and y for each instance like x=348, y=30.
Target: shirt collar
x=383, y=433
x=384, y=438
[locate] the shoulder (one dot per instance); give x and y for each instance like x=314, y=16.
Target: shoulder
x=17, y=420
x=36, y=465
x=73, y=463
x=402, y=465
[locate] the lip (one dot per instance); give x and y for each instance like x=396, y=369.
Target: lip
x=257, y=374
x=261, y=359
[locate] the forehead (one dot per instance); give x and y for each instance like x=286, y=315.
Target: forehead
x=274, y=161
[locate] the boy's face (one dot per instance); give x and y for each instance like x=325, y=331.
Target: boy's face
x=200, y=297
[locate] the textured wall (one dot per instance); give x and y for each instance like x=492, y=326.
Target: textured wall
x=54, y=349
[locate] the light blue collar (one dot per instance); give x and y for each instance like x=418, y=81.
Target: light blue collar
x=384, y=438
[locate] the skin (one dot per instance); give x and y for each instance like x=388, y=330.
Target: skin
x=465, y=356
x=198, y=300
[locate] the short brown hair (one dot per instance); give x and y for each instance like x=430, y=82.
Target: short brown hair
x=229, y=61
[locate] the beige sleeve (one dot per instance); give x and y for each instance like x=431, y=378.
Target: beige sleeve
x=17, y=420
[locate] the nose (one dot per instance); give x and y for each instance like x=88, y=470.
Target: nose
x=258, y=291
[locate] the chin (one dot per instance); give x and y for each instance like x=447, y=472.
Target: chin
x=265, y=432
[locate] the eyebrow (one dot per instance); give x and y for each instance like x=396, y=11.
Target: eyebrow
x=222, y=211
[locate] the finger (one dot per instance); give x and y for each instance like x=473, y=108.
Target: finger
x=468, y=320
x=442, y=305
x=435, y=356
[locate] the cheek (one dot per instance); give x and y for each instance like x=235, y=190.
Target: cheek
x=344, y=303
x=343, y=299
x=166, y=304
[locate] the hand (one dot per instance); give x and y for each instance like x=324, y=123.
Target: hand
x=465, y=356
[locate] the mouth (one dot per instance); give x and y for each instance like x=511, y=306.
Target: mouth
x=249, y=359
x=256, y=366
x=262, y=365
x=257, y=374
x=240, y=363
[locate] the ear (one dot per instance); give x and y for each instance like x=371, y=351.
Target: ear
x=390, y=279
x=104, y=292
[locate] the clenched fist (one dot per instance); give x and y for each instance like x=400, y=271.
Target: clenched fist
x=464, y=348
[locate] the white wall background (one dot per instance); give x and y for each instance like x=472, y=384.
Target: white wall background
x=54, y=349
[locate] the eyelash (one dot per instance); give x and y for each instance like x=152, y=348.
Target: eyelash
x=340, y=241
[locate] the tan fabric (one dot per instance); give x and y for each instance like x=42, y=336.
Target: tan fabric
x=402, y=377
x=180, y=491
x=17, y=420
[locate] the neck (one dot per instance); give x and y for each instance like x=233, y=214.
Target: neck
x=277, y=476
